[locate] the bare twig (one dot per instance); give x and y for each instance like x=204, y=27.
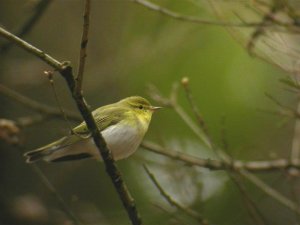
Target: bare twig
x=26, y=121
x=66, y=71
x=172, y=202
x=185, y=83
x=295, y=151
x=36, y=106
x=268, y=18
x=251, y=207
x=177, y=16
x=49, y=75
x=235, y=165
x=174, y=216
x=172, y=102
x=55, y=193
x=32, y=50
x=50, y=187
x=39, y=10
x=271, y=192
x=83, y=45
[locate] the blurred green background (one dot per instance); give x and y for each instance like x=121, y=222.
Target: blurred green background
x=129, y=48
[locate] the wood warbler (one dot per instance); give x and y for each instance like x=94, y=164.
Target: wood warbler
x=122, y=124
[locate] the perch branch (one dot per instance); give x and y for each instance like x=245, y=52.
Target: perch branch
x=66, y=71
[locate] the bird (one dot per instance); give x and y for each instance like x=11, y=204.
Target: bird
x=123, y=126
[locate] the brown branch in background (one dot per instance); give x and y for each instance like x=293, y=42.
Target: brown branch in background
x=55, y=193
x=39, y=10
x=271, y=191
x=49, y=75
x=83, y=45
x=295, y=151
x=251, y=207
x=267, y=19
x=174, y=216
x=185, y=83
x=26, y=121
x=66, y=71
x=172, y=202
x=234, y=165
x=34, y=105
x=186, y=18
x=172, y=103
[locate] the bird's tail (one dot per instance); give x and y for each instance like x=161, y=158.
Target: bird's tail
x=58, y=151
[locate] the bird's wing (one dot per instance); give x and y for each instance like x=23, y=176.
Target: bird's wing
x=104, y=118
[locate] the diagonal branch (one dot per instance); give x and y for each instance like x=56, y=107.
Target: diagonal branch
x=172, y=202
x=37, y=106
x=271, y=191
x=32, y=50
x=83, y=45
x=40, y=8
x=66, y=71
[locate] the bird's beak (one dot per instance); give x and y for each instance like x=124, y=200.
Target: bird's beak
x=155, y=108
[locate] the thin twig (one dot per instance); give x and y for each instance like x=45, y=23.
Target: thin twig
x=268, y=18
x=235, y=165
x=49, y=75
x=174, y=216
x=67, y=72
x=271, y=192
x=185, y=83
x=50, y=187
x=39, y=10
x=177, y=16
x=34, y=105
x=251, y=207
x=55, y=193
x=172, y=102
x=83, y=45
x=32, y=50
x=295, y=151
x=172, y=202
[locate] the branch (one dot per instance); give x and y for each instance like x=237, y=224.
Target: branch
x=234, y=165
x=66, y=71
x=32, y=50
x=185, y=83
x=177, y=16
x=83, y=45
x=172, y=202
x=36, y=106
x=55, y=193
x=295, y=151
x=251, y=207
x=40, y=8
x=172, y=102
x=271, y=192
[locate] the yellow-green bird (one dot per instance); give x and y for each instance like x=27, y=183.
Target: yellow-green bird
x=122, y=124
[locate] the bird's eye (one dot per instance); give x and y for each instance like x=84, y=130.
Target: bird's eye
x=141, y=107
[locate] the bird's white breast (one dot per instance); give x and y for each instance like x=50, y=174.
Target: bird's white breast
x=122, y=140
